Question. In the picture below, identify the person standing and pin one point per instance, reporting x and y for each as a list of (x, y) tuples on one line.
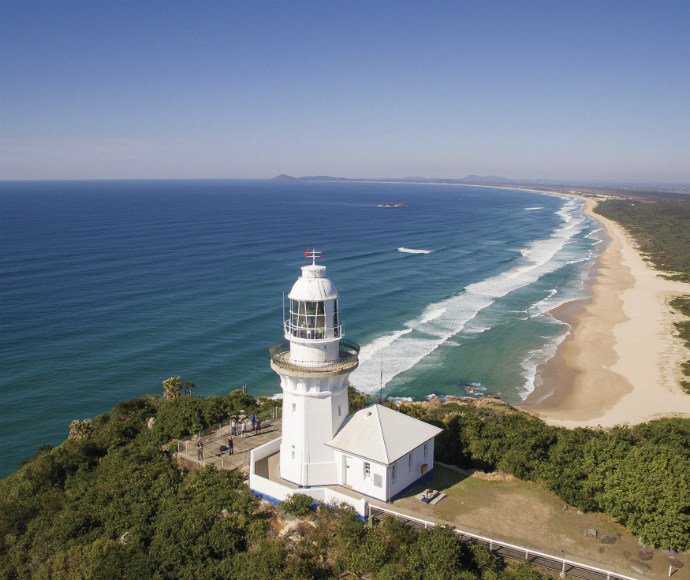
[(233, 427), (243, 430), (231, 445), (200, 451), (253, 420)]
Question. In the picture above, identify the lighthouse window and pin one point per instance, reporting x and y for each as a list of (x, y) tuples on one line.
[(308, 318), (336, 330), (367, 469)]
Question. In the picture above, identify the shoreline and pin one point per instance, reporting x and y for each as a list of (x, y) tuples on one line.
[(620, 362)]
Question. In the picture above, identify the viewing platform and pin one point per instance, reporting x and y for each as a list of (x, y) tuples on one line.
[(347, 361)]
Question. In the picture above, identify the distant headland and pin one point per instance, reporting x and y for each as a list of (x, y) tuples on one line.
[(628, 188)]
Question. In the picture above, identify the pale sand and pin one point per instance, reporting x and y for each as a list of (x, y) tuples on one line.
[(621, 362)]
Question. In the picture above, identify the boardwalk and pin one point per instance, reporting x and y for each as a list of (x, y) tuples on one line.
[(213, 439)]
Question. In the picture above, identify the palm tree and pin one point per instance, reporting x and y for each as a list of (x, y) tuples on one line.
[(80, 429), (173, 386)]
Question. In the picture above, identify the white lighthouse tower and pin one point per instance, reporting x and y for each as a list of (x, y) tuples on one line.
[(314, 363)]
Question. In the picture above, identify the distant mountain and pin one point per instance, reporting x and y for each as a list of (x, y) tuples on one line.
[(470, 179), (484, 179)]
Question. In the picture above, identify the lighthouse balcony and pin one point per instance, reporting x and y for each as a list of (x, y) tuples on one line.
[(347, 360)]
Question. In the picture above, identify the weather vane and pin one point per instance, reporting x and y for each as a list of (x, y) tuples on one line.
[(313, 254)]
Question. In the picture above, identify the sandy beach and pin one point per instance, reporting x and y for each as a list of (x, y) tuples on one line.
[(621, 361)]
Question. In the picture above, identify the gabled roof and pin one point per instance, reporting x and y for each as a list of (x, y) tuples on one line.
[(381, 434)]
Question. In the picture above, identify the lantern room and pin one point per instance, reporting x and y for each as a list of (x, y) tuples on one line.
[(313, 328)]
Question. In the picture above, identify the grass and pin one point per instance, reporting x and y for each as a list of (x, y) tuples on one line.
[(526, 514)]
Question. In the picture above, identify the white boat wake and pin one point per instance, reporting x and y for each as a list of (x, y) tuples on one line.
[(412, 251)]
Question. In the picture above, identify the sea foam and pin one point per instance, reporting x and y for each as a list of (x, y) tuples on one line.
[(396, 352)]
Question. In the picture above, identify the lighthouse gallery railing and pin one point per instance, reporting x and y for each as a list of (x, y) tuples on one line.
[(349, 352)]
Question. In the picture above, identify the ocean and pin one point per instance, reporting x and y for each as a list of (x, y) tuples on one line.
[(109, 287)]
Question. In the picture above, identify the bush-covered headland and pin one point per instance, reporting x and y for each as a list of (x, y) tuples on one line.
[(111, 502)]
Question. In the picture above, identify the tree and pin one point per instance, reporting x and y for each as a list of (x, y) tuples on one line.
[(81, 429), (173, 386)]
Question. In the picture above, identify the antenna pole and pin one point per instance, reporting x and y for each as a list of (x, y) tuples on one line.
[(381, 383)]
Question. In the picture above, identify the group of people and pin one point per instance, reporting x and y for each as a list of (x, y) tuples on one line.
[(237, 427), (241, 426)]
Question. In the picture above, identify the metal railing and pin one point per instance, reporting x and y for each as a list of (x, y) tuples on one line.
[(515, 552), (348, 357)]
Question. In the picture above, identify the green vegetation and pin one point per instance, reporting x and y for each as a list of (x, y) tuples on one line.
[(111, 503), (659, 225), (682, 305), (640, 476), (298, 504)]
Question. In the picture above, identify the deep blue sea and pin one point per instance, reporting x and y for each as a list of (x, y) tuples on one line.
[(109, 287)]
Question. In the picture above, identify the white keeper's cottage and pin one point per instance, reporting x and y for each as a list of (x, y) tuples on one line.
[(377, 451)]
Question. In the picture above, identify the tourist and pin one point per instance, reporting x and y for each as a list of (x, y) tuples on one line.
[(231, 446), (233, 427), (253, 420), (243, 430), (258, 425), (200, 451)]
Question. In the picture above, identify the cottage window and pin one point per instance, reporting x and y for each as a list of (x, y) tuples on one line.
[(367, 469)]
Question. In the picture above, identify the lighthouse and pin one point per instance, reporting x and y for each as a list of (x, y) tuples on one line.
[(314, 363)]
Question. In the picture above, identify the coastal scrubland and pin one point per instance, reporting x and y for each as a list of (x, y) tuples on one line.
[(660, 226), (640, 475), (112, 502)]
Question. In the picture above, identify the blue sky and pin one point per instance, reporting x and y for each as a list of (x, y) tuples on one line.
[(169, 89)]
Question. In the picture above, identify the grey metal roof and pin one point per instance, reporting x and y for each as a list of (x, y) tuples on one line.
[(381, 434)]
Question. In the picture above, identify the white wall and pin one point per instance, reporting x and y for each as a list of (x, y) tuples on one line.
[(374, 484), (312, 414), (277, 492), (406, 472)]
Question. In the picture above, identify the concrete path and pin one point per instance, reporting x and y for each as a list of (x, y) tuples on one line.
[(213, 439)]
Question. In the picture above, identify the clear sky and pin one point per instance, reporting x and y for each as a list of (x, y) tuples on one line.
[(169, 89)]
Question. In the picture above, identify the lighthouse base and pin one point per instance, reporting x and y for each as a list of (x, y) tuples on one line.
[(305, 474)]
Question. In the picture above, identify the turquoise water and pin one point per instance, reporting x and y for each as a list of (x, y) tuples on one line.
[(109, 287)]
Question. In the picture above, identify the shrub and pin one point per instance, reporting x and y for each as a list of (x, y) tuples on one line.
[(298, 504)]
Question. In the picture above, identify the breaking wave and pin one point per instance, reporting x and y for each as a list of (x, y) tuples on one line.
[(398, 351)]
